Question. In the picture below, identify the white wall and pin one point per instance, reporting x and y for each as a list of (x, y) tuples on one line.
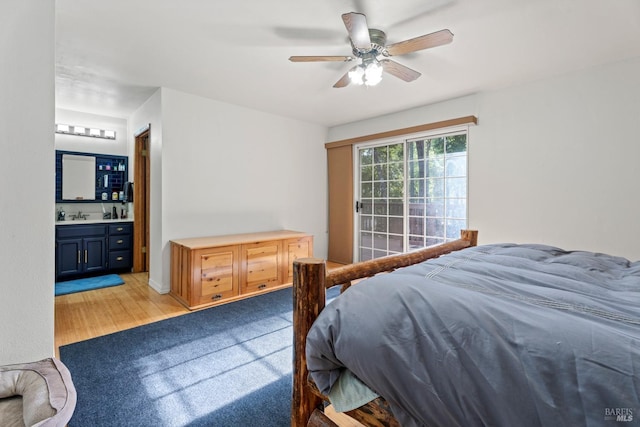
[(220, 169), (27, 176), (552, 161)]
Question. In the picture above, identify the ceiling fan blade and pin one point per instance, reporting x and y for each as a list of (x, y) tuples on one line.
[(356, 24), (419, 43), (399, 70), (344, 80), (320, 58)]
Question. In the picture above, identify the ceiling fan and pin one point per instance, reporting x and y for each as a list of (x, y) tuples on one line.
[(369, 44)]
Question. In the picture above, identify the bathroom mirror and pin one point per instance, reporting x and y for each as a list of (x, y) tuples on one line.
[(78, 177)]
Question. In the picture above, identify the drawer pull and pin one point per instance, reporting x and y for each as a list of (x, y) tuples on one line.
[(120, 242), (119, 258), (216, 297), (119, 228), (262, 285)]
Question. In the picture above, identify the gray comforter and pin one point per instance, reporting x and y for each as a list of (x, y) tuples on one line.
[(495, 335)]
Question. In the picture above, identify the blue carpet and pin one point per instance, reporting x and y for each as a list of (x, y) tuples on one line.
[(228, 365), (79, 285)]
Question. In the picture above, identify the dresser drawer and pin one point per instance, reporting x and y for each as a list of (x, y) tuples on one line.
[(71, 231), (119, 259), (119, 242), (122, 228)]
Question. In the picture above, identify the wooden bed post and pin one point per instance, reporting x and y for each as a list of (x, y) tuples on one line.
[(470, 236), (309, 298)]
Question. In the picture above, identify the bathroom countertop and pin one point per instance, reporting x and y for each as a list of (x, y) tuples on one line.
[(93, 221)]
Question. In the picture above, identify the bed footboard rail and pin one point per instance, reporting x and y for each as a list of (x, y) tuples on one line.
[(310, 282)]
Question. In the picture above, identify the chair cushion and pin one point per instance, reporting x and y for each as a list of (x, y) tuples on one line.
[(48, 393)]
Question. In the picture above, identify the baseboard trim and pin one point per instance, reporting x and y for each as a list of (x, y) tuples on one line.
[(158, 287)]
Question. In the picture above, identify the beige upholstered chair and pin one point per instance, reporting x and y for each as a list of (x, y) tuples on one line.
[(38, 394)]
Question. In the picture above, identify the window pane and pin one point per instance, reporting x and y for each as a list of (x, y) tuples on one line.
[(435, 187), (416, 187), (454, 226), (366, 254), (396, 152), (380, 155), (379, 189), (435, 207), (380, 224), (435, 167), (456, 187), (380, 207), (366, 156), (396, 171), (366, 223), (366, 206), (457, 166), (380, 172), (431, 241), (395, 189), (416, 225), (366, 189), (416, 169), (396, 243), (435, 146), (396, 225), (435, 226), (416, 150), (380, 254), (366, 173), (380, 241), (396, 207), (416, 242), (456, 143), (366, 239), (457, 208), (416, 207)]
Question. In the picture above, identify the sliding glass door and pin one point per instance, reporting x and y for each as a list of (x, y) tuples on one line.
[(411, 194)]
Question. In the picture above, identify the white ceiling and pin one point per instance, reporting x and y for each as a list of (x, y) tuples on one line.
[(112, 55)]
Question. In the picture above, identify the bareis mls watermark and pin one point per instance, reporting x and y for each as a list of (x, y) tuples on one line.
[(618, 414)]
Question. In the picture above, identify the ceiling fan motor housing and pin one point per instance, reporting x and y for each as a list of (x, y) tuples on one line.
[(378, 43)]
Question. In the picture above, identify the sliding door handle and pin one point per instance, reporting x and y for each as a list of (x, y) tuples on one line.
[(358, 206)]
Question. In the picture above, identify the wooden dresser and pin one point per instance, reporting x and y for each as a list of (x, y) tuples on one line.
[(212, 270)]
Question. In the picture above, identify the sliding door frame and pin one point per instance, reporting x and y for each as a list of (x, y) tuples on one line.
[(341, 232)]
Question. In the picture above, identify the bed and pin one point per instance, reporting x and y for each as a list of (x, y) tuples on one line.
[(466, 335)]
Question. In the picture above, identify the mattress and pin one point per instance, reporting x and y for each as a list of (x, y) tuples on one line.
[(500, 335)]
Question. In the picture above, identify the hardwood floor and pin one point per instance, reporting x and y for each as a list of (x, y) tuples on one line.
[(91, 314)]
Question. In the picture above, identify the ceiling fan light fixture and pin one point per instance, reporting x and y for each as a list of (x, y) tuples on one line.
[(356, 75), (372, 73)]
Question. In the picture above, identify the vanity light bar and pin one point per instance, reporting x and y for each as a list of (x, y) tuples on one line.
[(84, 131)]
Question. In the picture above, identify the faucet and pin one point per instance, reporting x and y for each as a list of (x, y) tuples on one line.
[(79, 215)]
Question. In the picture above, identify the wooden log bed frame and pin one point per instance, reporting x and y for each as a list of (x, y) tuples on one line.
[(310, 282)]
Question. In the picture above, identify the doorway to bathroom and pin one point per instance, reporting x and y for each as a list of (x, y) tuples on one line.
[(141, 194)]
